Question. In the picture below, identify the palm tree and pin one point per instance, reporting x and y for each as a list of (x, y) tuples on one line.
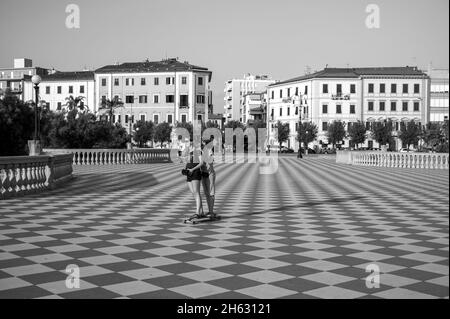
[(108, 106), (73, 103)]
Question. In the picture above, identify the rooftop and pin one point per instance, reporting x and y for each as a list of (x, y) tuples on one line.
[(75, 76), (167, 65), (358, 72)]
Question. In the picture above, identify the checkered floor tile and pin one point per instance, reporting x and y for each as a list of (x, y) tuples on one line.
[(308, 231)]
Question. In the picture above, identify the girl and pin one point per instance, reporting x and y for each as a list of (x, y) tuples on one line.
[(194, 178)]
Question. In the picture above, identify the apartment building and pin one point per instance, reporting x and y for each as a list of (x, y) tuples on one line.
[(439, 94), (399, 94), (254, 107), (236, 89), (57, 87), (18, 78), (161, 91)]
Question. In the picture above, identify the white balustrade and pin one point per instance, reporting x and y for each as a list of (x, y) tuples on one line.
[(21, 175), (397, 160), (114, 156)]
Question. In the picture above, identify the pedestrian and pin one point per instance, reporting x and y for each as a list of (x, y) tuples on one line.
[(209, 177), (194, 178)]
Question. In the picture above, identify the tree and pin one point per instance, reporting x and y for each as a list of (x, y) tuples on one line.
[(75, 103), (382, 132), (336, 132), (409, 133), (163, 132), (143, 132), (307, 133), (283, 132), (357, 133), (211, 124), (108, 107), (16, 126), (432, 135)]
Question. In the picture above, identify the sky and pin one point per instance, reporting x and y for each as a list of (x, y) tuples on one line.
[(280, 38)]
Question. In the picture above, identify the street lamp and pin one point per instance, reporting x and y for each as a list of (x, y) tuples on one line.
[(34, 145), (298, 99)]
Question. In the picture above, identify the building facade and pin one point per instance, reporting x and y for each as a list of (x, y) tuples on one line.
[(399, 94), (163, 91), (236, 89), (18, 78), (439, 94), (57, 87)]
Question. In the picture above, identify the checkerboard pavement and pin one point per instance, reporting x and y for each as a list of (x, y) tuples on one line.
[(308, 231)]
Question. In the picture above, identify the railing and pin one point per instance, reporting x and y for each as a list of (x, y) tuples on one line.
[(340, 96), (399, 160), (22, 175), (114, 156)]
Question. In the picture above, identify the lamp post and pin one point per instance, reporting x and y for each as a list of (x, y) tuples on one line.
[(298, 98), (35, 145)]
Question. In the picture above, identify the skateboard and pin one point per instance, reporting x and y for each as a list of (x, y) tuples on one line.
[(201, 220)]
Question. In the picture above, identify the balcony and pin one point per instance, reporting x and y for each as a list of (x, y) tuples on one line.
[(340, 96), (287, 100), (183, 106)]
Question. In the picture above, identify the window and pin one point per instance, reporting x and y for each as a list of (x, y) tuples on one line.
[(352, 109), (47, 90), (273, 94), (59, 106), (405, 88), (132, 118), (352, 88), (393, 106), (127, 118), (129, 99), (338, 88), (296, 91), (155, 99), (169, 98), (116, 82), (142, 98), (281, 94), (200, 99), (382, 106), (324, 108), (142, 81), (370, 106), (281, 111), (70, 89), (296, 110), (416, 88), (416, 106), (405, 106), (169, 118), (338, 109), (119, 119), (156, 118), (324, 126), (288, 92), (183, 80), (288, 111), (393, 88), (325, 88), (183, 118), (184, 100), (127, 82), (382, 88), (156, 81), (306, 90), (143, 117), (371, 87), (103, 82), (59, 89), (200, 80), (82, 89)]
